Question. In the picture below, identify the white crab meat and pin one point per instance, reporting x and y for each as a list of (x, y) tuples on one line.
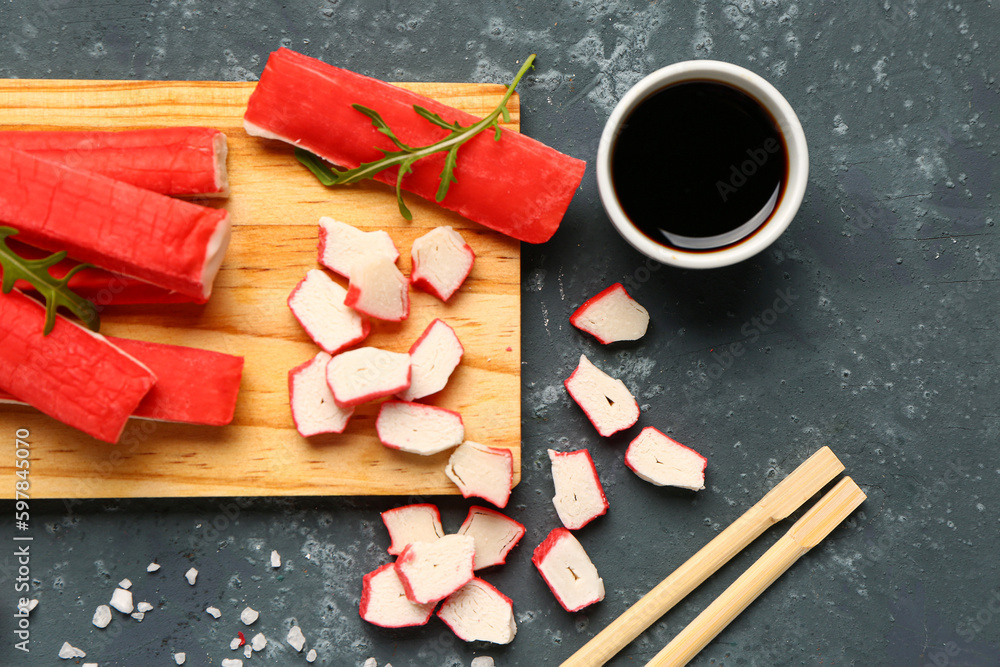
[(606, 401), (483, 472), (442, 260), (612, 316), (384, 602), (495, 535), (378, 289), (568, 570), (412, 523), (661, 460), (434, 357), (418, 428), (314, 409), (431, 571), (579, 495), (367, 373), (342, 245), (318, 304), (479, 612)]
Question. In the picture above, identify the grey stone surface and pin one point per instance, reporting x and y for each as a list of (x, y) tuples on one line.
[(885, 346)]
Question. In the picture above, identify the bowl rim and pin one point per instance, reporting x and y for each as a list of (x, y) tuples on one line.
[(788, 123)]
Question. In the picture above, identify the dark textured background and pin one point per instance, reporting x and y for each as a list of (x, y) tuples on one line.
[(887, 354)]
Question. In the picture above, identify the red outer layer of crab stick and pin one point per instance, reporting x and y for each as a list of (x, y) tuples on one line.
[(180, 161), (193, 386), (102, 287), (165, 241), (517, 186), (73, 375)]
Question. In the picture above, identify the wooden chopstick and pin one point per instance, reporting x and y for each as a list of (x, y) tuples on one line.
[(803, 483), (807, 532)]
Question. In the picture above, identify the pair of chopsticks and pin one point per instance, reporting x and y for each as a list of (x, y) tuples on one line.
[(802, 484)]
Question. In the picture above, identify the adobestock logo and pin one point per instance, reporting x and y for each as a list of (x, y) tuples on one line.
[(738, 175)]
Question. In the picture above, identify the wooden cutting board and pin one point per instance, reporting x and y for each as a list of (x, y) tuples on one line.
[(275, 206)]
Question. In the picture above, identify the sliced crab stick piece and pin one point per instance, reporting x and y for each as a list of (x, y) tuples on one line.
[(483, 472), (661, 460), (318, 304), (606, 401), (366, 373), (442, 260), (193, 386), (479, 612), (612, 316), (384, 603), (418, 428), (412, 523), (378, 289), (517, 186), (579, 495), (116, 226), (495, 535), (431, 571), (73, 375), (179, 161), (433, 358), (568, 570), (341, 245), (313, 409)]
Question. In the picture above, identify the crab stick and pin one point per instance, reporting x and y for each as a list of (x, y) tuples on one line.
[(168, 242), (517, 186), (102, 287), (73, 375), (193, 386), (179, 161)]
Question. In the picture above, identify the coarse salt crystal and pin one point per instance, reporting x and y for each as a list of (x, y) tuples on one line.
[(275, 559), (102, 616), (121, 600), (232, 662), (191, 576), (90, 664), (67, 652), (247, 651), (235, 644), (153, 567), (258, 642), (311, 655), (179, 658), (144, 607), (213, 612), (295, 638), (482, 661), (139, 615), (125, 583), (249, 616), (371, 662), (32, 604)]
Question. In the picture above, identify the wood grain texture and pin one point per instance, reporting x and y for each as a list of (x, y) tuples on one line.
[(275, 205)]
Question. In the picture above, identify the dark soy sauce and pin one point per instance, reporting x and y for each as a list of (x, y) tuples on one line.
[(699, 165)]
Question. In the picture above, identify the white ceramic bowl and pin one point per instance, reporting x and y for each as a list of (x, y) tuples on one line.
[(788, 124)]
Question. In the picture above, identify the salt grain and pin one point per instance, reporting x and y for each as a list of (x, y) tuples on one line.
[(275, 559), (67, 652), (482, 661), (258, 642), (247, 651), (235, 644), (311, 655), (32, 604), (102, 616), (249, 616), (90, 664), (213, 612), (144, 607), (125, 583), (371, 662), (232, 662), (179, 658), (153, 567), (139, 616), (121, 600), (295, 638), (191, 575)]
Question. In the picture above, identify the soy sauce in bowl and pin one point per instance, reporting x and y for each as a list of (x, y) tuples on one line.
[(699, 165)]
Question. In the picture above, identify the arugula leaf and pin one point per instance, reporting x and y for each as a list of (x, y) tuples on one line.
[(55, 291), (406, 156)]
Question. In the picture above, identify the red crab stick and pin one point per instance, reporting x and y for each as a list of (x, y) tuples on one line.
[(517, 186), (193, 386), (116, 226), (102, 287), (180, 161), (73, 375)]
